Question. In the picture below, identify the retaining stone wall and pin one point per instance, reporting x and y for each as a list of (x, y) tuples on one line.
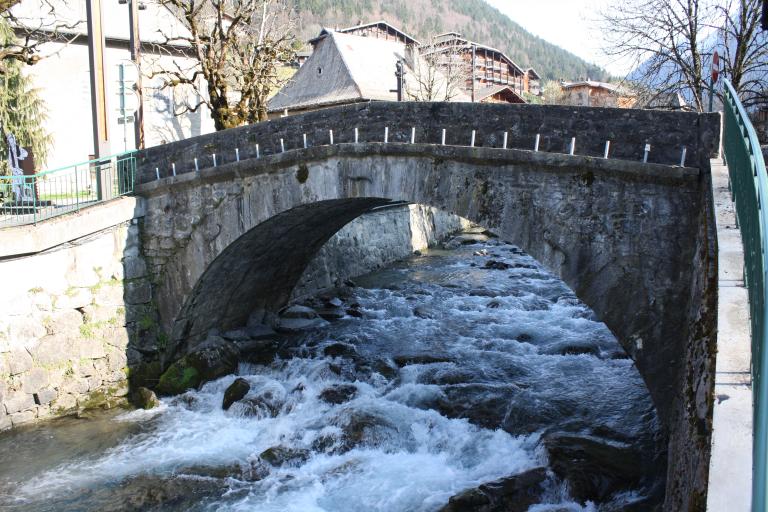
[(374, 240), (67, 318)]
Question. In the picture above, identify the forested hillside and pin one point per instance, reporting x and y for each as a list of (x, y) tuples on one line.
[(475, 19)]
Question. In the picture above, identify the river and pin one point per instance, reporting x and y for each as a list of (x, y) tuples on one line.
[(459, 367)]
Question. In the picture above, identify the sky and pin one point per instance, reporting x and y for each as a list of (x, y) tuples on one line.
[(566, 23)]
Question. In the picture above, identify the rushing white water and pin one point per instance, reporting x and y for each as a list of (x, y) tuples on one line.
[(473, 411)]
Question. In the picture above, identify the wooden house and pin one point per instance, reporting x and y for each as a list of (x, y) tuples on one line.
[(590, 93)]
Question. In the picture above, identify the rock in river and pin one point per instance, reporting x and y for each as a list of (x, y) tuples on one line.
[(512, 494), (236, 391)]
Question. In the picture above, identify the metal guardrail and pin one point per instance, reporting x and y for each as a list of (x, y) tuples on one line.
[(33, 198), (749, 186)]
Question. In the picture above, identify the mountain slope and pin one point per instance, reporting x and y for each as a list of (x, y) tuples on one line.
[(475, 19)]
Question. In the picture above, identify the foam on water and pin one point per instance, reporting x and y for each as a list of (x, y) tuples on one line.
[(501, 334)]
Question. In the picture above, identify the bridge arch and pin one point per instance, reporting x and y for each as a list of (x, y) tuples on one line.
[(621, 236)]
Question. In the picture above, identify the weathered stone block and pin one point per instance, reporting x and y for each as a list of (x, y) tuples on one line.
[(109, 294), (41, 300), (34, 380), (5, 421), (96, 313), (90, 348), (134, 267), (18, 361), (53, 350), (73, 298), (66, 322), (74, 385), (63, 403), (23, 329), (138, 292), (19, 401), (45, 396), (21, 418)]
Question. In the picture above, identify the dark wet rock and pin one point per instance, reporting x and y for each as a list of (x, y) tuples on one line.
[(257, 351), (236, 391), (572, 350), (417, 253), (152, 493), (594, 467), (493, 304), (331, 313), (481, 404), (256, 331), (215, 358), (339, 393), (334, 302), (145, 374), (350, 283), (469, 238), (386, 368), (297, 311), (264, 404), (145, 398), (255, 470), (497, 265), (355, 313), (231, 471), (511, 494), (423, 312), (340, 350), (524, 337), (483, 292), (281, 455), (408, 359), (442, 376), (361, 427)]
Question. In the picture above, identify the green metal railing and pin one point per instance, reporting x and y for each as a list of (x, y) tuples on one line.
[(30, 199), (749, 185)]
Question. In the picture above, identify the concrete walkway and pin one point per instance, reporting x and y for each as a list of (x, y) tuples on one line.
[(730, 468)]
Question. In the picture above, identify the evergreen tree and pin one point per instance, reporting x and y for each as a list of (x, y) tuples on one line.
[(22, 111)]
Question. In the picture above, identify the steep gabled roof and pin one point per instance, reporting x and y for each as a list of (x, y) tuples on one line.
[(493, 90), (346, 68), (532, 74), (456, 40), (407, 38)]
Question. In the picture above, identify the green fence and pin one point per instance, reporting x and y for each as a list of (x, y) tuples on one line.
[(30, 199), (749, 185)]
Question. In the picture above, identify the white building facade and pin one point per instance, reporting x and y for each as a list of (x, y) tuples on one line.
[(63, 80)]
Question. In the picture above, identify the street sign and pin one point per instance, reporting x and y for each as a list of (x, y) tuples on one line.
[(715, 66)]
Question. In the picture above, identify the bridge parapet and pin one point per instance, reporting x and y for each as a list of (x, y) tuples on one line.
[(628, 130)]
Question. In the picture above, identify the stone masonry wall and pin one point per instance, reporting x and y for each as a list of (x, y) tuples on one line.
[(376, 239), (67, 317), (627, 129)]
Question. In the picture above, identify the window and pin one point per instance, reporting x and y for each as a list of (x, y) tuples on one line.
[(319, 71)]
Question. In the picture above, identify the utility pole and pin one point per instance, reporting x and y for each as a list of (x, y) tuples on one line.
[(765, 15), (98, 84), (135, 43)]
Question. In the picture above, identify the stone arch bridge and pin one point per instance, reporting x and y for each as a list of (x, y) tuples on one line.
[(230, 235)]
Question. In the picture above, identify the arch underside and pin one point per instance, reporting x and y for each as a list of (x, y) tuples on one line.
[(622, 240)]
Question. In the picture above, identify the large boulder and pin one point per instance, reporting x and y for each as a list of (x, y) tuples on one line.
[(236, 391), (511, 494), (299, 318), (594, 467), (145, 398), (214, 358)]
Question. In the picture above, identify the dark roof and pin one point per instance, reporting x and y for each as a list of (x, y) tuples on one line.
[(407, 38), (532, 74), (493, 90), (453, 39)]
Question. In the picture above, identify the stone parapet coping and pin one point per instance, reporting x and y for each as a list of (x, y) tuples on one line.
[(30, 239)]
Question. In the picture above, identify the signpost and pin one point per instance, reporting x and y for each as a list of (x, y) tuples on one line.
[(715, 75)]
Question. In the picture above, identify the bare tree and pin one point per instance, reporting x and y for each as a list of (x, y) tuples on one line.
[(669, 43), (745, 49), (237, 47), (438, 72), (34, 27)]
